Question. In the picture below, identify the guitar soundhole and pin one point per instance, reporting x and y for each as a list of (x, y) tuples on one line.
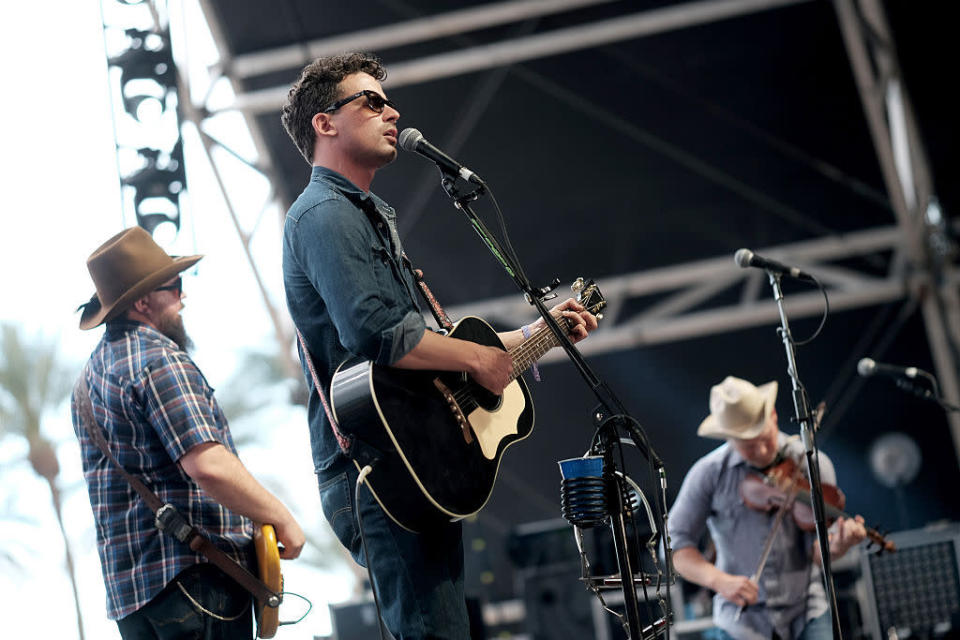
[(485, 398)]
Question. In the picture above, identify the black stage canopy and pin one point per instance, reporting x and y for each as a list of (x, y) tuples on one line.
[(648, 152)]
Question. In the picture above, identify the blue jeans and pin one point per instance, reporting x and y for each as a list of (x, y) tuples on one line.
[(170, 615), (817, 629), (418, 577)]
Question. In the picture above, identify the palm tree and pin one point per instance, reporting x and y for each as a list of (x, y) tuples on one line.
[(32, 381)]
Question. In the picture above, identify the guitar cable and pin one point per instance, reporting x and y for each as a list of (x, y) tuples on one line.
[(364, 472)]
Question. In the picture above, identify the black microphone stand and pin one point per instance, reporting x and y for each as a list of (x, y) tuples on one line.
[(609, 413), (927, 394), (801, 407)]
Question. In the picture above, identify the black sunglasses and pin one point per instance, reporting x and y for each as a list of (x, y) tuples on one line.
[(375, 101), (176, 286)]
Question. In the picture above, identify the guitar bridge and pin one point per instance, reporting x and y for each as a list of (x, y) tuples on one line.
[(455, 409)]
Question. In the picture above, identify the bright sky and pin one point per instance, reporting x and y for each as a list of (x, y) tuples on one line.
[(61, 200)]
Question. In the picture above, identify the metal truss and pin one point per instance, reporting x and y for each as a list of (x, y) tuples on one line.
[(905, 168), (197, 114), (498, 54), (683, 307)]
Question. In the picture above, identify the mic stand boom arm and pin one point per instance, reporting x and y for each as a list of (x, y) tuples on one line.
[(611, 404), (611, 410), (802, 411)]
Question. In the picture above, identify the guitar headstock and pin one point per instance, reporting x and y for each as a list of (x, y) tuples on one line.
[(588, 294)]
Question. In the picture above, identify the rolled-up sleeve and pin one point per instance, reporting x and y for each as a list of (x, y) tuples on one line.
[(180, 406), (334, 245), (688, 516)]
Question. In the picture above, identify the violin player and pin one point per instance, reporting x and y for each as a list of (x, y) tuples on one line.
[(788, 601)]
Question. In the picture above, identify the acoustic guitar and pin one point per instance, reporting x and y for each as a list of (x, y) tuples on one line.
[(268, 564), (439, 435)]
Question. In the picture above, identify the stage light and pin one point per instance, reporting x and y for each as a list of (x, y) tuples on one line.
[(147, 71), (157, 188)]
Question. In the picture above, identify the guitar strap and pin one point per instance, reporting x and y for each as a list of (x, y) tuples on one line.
[(443, 320), (345, 441), (167, 518)]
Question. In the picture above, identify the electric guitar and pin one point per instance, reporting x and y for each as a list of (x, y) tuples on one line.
[(439, 436), (268, 563)]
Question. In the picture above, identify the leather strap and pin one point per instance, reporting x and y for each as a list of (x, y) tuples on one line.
[(443, 320), (167, 518)]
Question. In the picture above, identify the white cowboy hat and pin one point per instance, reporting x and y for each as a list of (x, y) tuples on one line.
[(738, 409)]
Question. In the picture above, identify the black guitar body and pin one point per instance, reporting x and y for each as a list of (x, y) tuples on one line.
[(428, 471)]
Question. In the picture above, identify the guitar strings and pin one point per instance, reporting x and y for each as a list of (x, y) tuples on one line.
[(533, 348), (523, 356)]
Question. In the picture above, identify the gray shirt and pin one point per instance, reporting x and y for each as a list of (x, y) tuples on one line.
[(790, 588)]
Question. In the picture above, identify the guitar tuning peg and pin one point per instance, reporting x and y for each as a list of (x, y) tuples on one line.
[(577, 285)]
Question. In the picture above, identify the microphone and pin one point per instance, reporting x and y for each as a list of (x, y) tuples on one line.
[(412, 140), (746, 258), (868, 367)]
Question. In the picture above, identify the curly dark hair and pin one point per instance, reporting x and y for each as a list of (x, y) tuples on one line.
[(316, 89)]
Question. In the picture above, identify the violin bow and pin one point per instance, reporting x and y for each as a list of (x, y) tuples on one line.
[(778, 519), (768, 545)]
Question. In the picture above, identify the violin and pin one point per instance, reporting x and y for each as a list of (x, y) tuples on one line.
[(783, 485)]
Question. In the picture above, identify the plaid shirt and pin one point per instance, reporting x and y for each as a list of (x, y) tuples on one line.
[(154, 406)]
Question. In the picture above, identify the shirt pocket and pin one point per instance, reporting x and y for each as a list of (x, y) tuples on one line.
[(728, 512), (384, 275)]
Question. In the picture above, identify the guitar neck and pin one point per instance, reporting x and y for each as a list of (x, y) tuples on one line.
[(533, 348)]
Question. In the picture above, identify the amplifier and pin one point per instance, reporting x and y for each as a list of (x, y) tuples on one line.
[(915, 592)]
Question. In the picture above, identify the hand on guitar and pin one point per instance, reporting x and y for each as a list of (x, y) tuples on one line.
[(290, 538), (492, 368), (740, 590), (582, 322)]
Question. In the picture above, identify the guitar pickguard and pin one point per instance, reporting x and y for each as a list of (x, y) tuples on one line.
[(491, 427)]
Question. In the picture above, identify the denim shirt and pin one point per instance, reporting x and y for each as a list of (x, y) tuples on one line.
[(790, 588), (347, 288)]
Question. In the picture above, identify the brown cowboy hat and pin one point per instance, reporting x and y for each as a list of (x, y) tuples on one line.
[(738, 409), (125, 268)]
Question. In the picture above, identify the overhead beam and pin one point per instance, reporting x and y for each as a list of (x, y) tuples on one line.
[(401, 33), (806, 254), (640, 333), (558, 41), (678, 316)]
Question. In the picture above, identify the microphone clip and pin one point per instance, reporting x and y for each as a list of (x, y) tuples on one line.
[(544, 293), (449, 183)]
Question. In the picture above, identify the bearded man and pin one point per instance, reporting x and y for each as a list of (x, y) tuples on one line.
[(163, 425)]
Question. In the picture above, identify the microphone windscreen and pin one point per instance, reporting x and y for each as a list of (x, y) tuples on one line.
[(409, 138), (743, 257), (866, 367)]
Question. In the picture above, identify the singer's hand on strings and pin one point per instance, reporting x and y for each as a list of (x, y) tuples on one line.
[(582, 322)]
